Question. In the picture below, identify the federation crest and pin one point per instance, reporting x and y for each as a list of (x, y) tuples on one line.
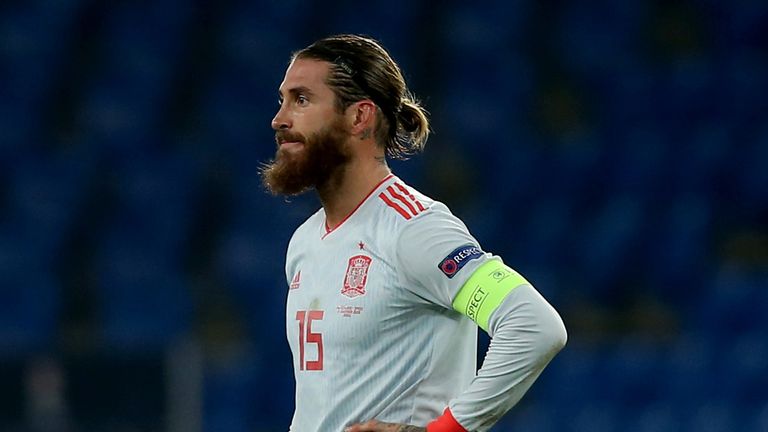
[(357, 276)]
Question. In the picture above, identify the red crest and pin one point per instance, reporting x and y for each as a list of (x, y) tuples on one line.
[(357, 275)]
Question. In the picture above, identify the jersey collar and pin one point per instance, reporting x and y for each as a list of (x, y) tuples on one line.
[(329, 230)]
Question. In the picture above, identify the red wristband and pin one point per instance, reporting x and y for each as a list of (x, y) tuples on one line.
[(445, 423)]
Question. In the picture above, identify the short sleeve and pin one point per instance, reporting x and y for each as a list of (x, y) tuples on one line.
[(437, 254)]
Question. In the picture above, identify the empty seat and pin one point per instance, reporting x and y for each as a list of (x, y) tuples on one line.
[(30, 297), (609, 240), (144, 299)]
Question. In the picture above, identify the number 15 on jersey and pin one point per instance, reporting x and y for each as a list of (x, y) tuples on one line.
[(306, 337)]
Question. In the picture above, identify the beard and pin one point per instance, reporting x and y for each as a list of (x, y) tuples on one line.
[(322, 159)]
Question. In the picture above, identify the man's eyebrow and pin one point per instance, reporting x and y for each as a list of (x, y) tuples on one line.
[(298, 90)]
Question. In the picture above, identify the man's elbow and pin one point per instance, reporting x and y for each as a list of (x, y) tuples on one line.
[(559, 336), (553, 336)]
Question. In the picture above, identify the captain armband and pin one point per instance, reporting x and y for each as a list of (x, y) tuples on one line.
[(485, 290)]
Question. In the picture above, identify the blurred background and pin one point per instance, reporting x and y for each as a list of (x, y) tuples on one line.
[(614, 152)]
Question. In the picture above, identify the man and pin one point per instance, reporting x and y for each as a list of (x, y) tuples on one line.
[(386, 286)]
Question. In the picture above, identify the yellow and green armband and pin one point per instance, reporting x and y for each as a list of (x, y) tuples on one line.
[(485, 290)]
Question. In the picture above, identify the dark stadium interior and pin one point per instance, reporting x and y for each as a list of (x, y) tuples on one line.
[(613, 152)]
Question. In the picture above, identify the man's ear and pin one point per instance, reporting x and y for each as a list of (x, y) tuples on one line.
[(362, 115)]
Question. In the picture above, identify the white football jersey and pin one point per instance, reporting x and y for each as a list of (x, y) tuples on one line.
[(369, 317)]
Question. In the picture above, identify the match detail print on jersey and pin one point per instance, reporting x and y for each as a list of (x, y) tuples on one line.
[(485, 290), (402, 200)]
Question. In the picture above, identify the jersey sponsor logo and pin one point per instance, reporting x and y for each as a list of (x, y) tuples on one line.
[(357, 276), (296, 281), (457, 259)]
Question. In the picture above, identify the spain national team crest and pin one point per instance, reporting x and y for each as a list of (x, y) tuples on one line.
[(357, 275)]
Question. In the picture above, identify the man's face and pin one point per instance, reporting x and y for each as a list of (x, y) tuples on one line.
[(311, 134)]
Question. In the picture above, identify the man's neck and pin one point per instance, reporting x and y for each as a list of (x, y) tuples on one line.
[(341, 196)]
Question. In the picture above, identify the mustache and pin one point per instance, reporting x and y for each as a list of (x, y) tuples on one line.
[(282, 136)]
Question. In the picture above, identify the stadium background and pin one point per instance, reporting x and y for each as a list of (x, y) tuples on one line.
[(614, 152)]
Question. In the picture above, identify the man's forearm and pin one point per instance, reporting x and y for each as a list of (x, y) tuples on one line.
[(526, 333)]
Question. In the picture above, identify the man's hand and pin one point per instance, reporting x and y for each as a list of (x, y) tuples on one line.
[(377, 426)]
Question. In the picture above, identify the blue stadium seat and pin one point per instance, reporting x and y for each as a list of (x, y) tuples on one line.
[(44, 196), (30, 298), (482, 92), (607, 241), (745, 364), (735, 304), (743, 81), (549, 226), (248, 42), (394, 26), (116, 116), (714, 416), (144, 300), (595, 416), (256, 209), (231, 389), (676, 252), (746, 19), (252, 269), (237, 115), (574, 377), (531, 417), (759, 420), (657, 417), (143, 51), (625, 378), (579, 163), (752, 177), (639, 163), (164, 182), (125, 100), (690, 370), (245, 390), (707, 163), (692, 92), (24, 55), (497, 25), (33, 38), (597, 50), (636, 82)]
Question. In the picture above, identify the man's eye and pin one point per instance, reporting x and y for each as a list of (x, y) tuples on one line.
[(302, 100), (280, 102)]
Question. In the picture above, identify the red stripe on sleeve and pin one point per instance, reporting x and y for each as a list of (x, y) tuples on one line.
[(402, 200), (392, 204), (410, 195)]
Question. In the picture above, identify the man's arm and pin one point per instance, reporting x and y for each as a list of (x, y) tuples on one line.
[(526, 333)]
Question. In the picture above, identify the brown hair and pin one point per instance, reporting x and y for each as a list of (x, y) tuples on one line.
[(363, 69)]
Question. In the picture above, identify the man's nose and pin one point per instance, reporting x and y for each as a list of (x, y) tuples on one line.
[(281, 120)]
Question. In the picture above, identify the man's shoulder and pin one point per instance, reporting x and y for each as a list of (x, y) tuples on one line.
[(404, 205), (309, 225)]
